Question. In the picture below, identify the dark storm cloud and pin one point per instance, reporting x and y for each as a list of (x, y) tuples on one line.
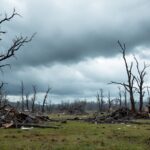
[(70, 31)]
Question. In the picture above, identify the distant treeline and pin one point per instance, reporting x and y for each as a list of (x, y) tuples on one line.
[(76, 107)]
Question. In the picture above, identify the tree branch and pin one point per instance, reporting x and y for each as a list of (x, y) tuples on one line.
[(17, 43), (6, 18)]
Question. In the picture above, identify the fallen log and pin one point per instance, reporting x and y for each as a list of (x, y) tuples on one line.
[(8, 125)]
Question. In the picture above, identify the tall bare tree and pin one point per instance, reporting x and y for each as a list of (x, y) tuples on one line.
[(34, 98), (45, 97), (148, 105), (100, 100), (125, 98), (109, 102), (130, 78), (148, 93), (22, 96), (17, 42), (27, 101), (140, 82), (3, 97), (120, 97)]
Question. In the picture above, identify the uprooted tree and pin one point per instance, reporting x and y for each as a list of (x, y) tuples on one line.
[(17, 42)]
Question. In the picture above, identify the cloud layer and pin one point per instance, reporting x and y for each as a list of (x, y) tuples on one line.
[(75, 40)]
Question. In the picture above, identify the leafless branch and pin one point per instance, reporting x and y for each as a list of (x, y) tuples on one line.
[(8, 18), (17, 43)]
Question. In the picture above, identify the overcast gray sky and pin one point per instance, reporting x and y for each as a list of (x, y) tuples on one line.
[(75, 50)]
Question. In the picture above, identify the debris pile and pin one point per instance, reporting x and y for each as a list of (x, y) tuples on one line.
[(122, 115), (11, 118)]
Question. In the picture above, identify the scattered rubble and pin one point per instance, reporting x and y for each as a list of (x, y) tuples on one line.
[(122, 115), (11, 118)]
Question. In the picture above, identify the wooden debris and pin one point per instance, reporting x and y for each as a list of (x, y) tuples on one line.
[(122, 115), (8, 125), (10, 117)]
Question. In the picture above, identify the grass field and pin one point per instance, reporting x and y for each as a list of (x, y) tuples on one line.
[(78, 136)]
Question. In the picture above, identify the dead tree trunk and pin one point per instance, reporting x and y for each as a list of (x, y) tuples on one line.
[(5, 100), (44, 100), (148, 105), (1, 97), (130, 83), (109, 102), (140, 82), (34, 98), (120, 97), (98, 101), (22, 96), (17, 105), (148, 95), (125, 98), (50, 107), (101, 99), (27, 101), (2, 94), (17, 42)]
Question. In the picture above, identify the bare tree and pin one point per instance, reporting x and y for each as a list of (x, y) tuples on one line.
[(17, 104), (45, 97), (140, 82), (50, 106), (3, 98), (22, 96), (17, 42), (27, 101), (120, 97), (148, 93), (109, 102), (125, 98), (34, 98), (100, 100), (148, 105), (130, 78)]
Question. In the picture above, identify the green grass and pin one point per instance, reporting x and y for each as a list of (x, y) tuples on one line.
[(68, 116), (78, 136)]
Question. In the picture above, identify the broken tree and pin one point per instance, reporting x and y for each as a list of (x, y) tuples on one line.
[(129, 86), (140, 82)]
